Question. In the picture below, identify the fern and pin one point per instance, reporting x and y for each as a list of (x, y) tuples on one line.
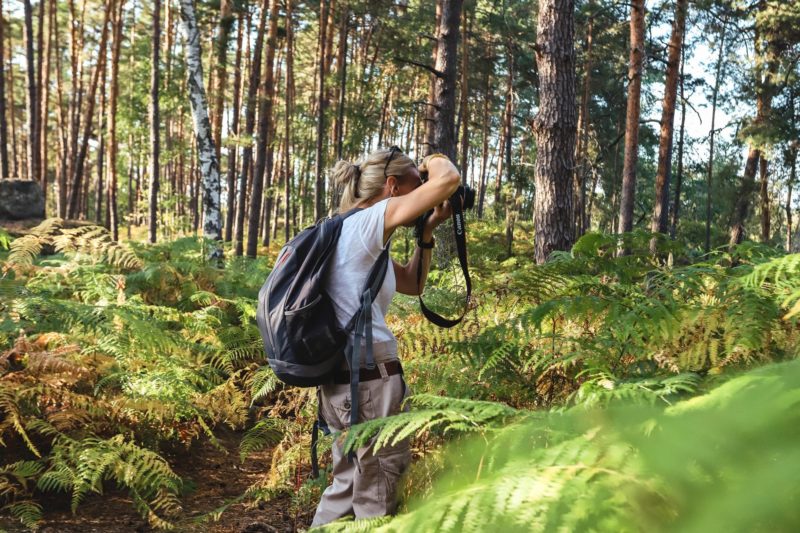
[(5, 240), (81, 466), (9, 404), (86, 241), (28, 512), (265, 433), (24, 250), (715, 462), (15, 481), (263, 382), (432, 412), (349, 525)]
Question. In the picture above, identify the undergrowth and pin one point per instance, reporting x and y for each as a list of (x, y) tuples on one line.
[(112, 354)]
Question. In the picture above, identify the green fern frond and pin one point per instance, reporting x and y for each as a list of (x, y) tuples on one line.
[(432, 412), (48, 227), (603, 390), (349, 525), (27, 511), (82, 465), (262, 383), (5, 239), (24, 250), (774, 271), (265, 433)]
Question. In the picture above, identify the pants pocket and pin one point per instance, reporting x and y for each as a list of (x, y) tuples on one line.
[(341, 405), (393, 465)]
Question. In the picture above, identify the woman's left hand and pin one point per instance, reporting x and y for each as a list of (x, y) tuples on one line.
[(440, 213)]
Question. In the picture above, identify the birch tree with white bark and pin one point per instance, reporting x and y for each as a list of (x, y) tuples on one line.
[(206, 151)]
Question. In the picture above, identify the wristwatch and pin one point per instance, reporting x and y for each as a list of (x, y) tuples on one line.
[(426, 245)]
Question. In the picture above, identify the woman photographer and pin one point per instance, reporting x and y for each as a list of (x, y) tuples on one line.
[(386, 184)]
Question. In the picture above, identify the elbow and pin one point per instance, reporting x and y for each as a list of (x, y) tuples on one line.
[(453, 181)]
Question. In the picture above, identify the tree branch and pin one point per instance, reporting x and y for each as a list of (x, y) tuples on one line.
[(429, 68), (420, 102)]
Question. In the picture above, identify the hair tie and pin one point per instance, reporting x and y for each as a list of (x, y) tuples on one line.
[(355, 185)]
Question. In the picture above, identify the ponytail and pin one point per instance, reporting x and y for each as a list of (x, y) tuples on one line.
[(363, 180)]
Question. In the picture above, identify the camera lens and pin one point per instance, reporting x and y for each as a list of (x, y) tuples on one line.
[(467, 196)]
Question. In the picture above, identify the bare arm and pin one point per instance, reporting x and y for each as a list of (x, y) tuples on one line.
[(406, 275), (443, 180)]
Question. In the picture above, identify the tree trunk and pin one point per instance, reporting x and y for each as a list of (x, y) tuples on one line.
[(113, 220), (17, 172), (77, 173), (464, 112), (226, 20), (4, 166), (429, 145), (743, 196), (581, 218), (31, 97), (263, 171), (289, 99), (270, 231), (763, 166), (44, 86), (341, 62), (792, 181), (635, 68), (132, 193), (384, 113), (554, 127), (62, 122), (487, 97), (39, 104), (503, 162), (512, 211), (155, 126), (792, 173), (445, 84), (676, 201), (76, 94), (234, 132), (212, 221), (101, 151), (712, 134), (663, 174), (319, 162), (194, 190), (766, 73), (250, 120)]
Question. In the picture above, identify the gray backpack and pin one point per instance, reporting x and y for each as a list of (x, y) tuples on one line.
[(302, 339)]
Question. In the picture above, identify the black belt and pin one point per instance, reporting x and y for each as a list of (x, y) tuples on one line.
[(342, 377)]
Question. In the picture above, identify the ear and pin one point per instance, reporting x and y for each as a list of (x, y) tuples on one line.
[(391, 185)]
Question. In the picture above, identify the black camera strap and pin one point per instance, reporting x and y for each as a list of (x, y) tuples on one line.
[(460, 230)]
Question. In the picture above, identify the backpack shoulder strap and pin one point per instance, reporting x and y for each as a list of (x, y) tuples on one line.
[(362, 323)]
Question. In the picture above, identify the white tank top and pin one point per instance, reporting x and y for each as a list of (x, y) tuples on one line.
[(357, 249)]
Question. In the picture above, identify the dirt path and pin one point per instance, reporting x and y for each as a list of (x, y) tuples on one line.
[(216, 478)]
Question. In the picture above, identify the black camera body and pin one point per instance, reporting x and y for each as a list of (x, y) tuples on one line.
[(467, 194)]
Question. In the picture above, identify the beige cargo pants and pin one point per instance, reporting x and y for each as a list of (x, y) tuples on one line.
[(367, 486)]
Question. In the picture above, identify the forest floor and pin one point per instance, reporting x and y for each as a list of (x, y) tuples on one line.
[(215, 478)]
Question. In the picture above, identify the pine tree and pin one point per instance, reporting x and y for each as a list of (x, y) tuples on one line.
[(554, 127)]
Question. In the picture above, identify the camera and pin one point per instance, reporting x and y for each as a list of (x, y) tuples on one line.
[(467, 194)]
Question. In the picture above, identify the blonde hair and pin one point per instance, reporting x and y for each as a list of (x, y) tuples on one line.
[(365, 178)]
